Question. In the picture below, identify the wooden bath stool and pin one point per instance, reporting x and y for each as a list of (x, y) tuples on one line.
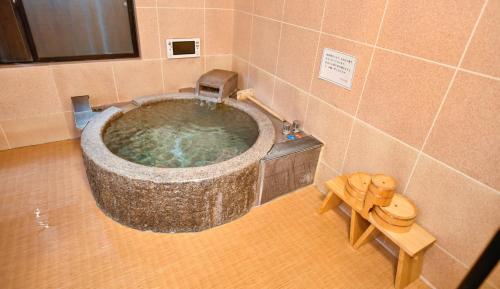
[(412, 244)]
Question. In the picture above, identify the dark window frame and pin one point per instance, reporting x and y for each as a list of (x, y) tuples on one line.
[(36, 59)]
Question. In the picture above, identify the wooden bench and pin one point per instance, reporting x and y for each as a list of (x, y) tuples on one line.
[(412, 244)]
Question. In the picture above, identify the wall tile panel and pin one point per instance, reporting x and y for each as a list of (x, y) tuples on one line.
[(436, 30), (402, 96), (296, 56), (466, 135)]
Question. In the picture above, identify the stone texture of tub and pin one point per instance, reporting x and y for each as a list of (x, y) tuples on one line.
[(173, 199)]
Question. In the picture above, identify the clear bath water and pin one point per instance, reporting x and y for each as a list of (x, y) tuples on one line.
[(181, 133)]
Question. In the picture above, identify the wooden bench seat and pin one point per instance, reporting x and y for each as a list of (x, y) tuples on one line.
[(412, 244)]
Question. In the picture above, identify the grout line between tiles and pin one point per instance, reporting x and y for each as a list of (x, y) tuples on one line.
[(387, 248), (317, 46), (286, 23), (364, 85), (460, 262), (219, 8), (5, 137), (316, 172), (191, 8), (386, 134), (315, 61), (427, 282), (302, 90), (114, 82), (329, 167), (219, 55), (461, 173), (204, 34), (36, 116), (467, 267), (61, 106), (306, 111), (445, 96), (451, 256), (160, 45), (281, 33), (415, 57), (153, 59), (59, 100), (278, 54), (348, 39), (250, 46), (479, 74)]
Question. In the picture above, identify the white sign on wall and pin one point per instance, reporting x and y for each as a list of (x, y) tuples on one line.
[(337, 67)]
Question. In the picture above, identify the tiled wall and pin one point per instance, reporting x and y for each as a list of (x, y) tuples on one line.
[(424, 107), (35, 105)]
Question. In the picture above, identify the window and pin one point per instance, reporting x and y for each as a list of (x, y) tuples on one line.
[(63, 30)]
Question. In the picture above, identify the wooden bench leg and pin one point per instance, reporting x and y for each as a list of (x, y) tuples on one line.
[(331, 201), (409, 268), (358, 226), (368, 235)]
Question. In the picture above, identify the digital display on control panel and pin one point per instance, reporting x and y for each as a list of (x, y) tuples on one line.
[(184, 47)]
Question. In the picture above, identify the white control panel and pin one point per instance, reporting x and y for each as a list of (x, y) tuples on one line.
[(183, 47), (338, 68)]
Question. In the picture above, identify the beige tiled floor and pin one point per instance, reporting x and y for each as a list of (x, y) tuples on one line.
[(53, 236)]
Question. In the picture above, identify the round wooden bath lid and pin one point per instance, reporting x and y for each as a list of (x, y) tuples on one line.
[(384, 183), (400, 208), (360, 182), (354, 193)]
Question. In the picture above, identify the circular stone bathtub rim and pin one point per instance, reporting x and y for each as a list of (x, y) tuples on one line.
[(94, 148)]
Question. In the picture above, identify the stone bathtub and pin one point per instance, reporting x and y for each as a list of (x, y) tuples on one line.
[(164, 199)]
